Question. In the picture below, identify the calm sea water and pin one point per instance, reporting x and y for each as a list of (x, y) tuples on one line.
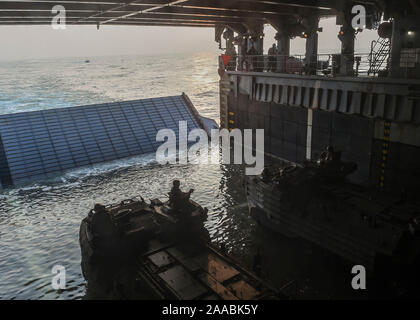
[(39, 223)]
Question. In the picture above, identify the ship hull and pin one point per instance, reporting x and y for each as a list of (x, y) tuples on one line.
[(293, 228), (262, 218), (339, 232)]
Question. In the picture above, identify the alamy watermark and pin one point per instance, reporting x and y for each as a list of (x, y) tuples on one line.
[(359, 280), (59, 20), (58, 281), (194, 147), (359, 20)]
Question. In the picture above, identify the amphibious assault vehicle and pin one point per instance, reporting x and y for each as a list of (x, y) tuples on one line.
[(139, 250)]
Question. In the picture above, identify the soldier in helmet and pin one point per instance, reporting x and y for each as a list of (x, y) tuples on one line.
[(177, 199)]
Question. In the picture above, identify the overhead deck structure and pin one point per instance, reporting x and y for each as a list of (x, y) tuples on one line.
[(196, 13), (247, 18)]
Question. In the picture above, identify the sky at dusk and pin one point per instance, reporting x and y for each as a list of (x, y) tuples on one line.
[(26, 42)]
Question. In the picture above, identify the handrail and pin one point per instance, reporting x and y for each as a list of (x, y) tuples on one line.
[(320, 64), (377, 57)]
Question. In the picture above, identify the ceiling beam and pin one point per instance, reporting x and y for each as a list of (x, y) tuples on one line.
[(181, 10), (33, 6), (47, 13), (123, 6), (80, 19), (94, 21), (87, 2), (248, 6), (145, 10), (116, 23), (245, 6)]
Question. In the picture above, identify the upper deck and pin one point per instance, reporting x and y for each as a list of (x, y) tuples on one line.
[(193, 13)]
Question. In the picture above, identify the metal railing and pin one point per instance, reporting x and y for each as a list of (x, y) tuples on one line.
[(380, 52), (321, 64)]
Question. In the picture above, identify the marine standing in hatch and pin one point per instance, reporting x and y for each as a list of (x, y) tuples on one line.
[(179, 201)]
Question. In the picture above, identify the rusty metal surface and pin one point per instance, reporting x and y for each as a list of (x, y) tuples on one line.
[(192, 271), (218, 288), (217, 268), (244, 290)]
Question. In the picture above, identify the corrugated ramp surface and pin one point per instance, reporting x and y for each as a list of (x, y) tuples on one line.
[(37, 144)]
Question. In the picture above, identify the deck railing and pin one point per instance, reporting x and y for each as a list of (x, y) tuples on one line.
[(321, 64)]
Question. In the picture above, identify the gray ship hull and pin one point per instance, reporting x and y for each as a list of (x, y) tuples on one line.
[(343, 232)]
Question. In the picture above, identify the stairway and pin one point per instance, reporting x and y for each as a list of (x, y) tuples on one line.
[(379, 56)]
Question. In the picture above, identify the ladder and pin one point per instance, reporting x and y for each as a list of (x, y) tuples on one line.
[(379, 55)]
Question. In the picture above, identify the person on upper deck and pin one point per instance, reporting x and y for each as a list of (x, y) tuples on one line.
[(252, 59), (232, 63), (272, 53)]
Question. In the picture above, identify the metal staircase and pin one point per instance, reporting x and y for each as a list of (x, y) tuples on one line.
[(379, 56)]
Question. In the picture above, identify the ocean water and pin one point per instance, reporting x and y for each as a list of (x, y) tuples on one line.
[(39, 223), (42, 84)]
